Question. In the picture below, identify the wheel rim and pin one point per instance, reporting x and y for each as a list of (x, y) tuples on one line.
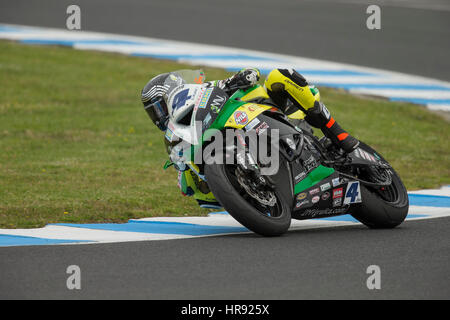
[(272, 212), (389, 193)]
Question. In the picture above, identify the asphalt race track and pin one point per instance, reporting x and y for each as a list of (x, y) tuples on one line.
[(307, 264), (413, 37), (310, 264)]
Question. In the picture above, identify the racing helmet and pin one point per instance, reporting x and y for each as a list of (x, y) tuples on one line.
[(154, 97)]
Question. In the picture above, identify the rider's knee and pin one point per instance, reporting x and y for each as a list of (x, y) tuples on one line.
[(288, 83)]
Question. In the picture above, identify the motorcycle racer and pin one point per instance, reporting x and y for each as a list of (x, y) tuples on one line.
[(285, 87)]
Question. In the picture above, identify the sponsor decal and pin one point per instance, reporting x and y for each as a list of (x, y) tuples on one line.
[(314, 191), (301, 203), (316, 212), (217, 103), (315, 199), (310, 163), (169, 134), (353, 193), (338, 193), (240, 117), (301, 196), (293, 84), (300, 177), (206, 120), (199, 96), (205, 98), (335, 182), (325, 187), (262, 128), (325, 196), (337, 202), (252, 124)]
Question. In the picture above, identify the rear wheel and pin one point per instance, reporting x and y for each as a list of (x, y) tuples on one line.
[(382, 207), (262, 211)]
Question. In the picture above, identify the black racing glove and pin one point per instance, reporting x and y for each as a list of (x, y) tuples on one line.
[(243, 79)]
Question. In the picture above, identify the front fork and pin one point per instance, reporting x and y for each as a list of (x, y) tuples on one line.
[(248, 166)]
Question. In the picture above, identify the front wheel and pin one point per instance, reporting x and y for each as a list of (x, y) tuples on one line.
[(264, 213), (382, 207)]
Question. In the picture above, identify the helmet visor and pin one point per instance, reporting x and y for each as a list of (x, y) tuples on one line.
[(157, 111)]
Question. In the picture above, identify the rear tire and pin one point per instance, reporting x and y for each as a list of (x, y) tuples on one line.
[(378, 213), (241, 209)]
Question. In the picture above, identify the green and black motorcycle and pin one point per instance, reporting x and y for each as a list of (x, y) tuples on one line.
[(313, 179)]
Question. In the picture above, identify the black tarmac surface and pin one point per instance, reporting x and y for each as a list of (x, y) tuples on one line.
[(326, 263)]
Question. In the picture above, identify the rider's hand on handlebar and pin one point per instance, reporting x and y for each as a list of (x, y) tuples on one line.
[(243, 79)]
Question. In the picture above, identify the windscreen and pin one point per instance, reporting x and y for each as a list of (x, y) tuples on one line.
[(180, 77)]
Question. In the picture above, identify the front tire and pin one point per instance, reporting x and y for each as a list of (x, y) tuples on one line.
[(241, 206)]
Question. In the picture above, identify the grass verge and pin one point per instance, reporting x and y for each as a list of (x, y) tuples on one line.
[(77, 146)]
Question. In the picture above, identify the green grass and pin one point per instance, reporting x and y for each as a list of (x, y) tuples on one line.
[(77, 146)]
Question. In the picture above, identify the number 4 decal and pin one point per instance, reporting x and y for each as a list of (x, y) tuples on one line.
[(353, 194), (180, 99)]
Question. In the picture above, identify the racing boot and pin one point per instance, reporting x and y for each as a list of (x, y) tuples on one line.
[(320, 117), (190, 185)]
